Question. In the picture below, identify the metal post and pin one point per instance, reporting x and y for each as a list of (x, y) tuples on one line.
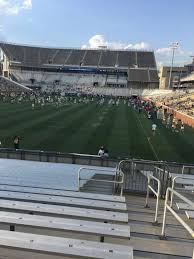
[(173, 184), (157, 203), (148, 192), (78, 183), (173, 46), (164, 217)]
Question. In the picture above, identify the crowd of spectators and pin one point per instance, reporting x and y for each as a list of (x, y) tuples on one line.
[(183, 102)]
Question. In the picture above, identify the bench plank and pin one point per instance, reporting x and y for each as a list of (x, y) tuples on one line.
[(190, 214), (64, 211), (184, 206), (71, 201), (72, 225), (56, 192), (64, 246), (188, 181)]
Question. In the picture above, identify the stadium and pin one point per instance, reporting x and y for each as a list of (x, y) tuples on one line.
[(100, 71), (96, 146)]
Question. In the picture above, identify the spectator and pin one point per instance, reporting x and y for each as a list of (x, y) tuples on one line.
[(101, 151), (16, 142), (106, 154)]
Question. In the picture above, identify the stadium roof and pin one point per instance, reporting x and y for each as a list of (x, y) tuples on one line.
[(34, 56)]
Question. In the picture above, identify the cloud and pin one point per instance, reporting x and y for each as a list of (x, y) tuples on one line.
[(27, 4), (99, 40), (12, 7), (164, 56), (1, 28)]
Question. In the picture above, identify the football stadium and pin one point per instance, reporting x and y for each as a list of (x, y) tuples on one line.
[(96, 145)]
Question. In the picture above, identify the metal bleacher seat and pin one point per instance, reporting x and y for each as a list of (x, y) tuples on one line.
[(39, 245), (72, 231), (65, 227), (70, 201), (62, 193), (65, 211)]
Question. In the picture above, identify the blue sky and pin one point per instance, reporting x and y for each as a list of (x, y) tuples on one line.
[(137, 24)]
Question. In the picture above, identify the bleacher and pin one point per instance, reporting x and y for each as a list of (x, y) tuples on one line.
[(54, 223), (41, 222), (9, 86), (108, 59), (39, 56), (138, 75), (47, 65), (91, 58)]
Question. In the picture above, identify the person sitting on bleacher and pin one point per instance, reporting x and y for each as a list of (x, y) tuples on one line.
[(106, 154), (101, 151)]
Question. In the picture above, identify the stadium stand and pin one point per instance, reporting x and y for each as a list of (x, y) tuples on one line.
[(91, 58), (9, 86), (36, 66), (179, 101)]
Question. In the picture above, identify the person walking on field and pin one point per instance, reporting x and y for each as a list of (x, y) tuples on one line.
[(154, 126)]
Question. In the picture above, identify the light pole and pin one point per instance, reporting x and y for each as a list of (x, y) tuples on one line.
[(173, 46)]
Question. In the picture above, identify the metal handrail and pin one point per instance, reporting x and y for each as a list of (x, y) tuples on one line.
[(115, 182), (180, 220), (173, 185), (186, 166), (156, 192)]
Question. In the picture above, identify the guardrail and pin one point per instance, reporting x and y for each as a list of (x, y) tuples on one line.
[(187, 166), (134, 181), (156, 192), (178, 218), (118, 177), (174, 182)]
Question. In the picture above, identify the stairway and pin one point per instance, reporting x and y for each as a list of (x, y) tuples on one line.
[(102, 186)]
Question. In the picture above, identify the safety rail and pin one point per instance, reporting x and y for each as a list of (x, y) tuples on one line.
[(117, 182), (156, 192), (186, 166), (184, 177), (173, 212)]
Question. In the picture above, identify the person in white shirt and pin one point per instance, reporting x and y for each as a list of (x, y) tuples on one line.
[(154, 126), (182, 128), (101, 151)]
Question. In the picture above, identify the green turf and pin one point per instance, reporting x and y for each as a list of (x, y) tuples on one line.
[(83, 128)]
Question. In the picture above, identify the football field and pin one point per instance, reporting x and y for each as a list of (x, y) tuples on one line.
[(83, 128)]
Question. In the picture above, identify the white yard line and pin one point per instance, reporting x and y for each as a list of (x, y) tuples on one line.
[(148, 139)]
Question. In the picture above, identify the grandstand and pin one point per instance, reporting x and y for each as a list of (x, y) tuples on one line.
[(36, 67)]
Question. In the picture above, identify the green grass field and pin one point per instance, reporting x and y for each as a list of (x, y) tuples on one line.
[(83, 128)]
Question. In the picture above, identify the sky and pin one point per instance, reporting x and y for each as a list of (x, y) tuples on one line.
[(118, 24)]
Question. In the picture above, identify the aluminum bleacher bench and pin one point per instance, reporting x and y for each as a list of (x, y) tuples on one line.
[(55, 192), (73, 228), (64, 211), (70, 201), (12, 186), (190, 214), (57, 246), (183, 179), (189, 188), (184, 206)]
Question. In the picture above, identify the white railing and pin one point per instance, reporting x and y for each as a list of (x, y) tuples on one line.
[(118, 177), (186, 166), (178, 218), (156, 192), (184, 177)]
